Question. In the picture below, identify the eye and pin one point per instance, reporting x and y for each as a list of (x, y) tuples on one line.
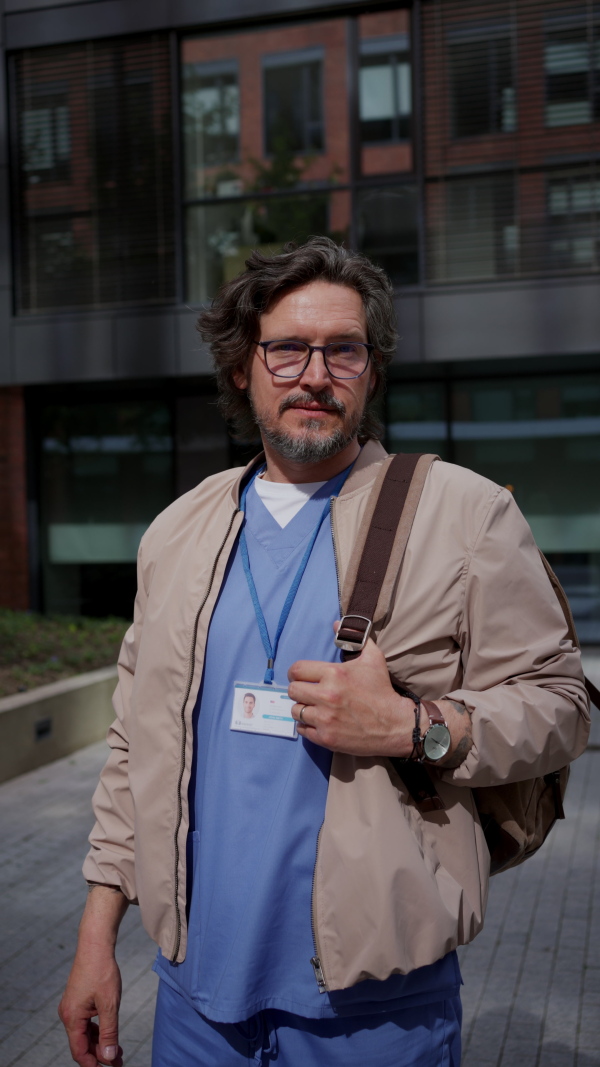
[(288, 347), (343, 348)]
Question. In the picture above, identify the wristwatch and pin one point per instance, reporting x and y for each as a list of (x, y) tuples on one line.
[(436, 741)]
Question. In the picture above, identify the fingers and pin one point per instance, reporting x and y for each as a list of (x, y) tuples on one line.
[(308, 715), (307, 670)]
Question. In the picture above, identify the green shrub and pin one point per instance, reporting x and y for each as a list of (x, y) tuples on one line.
[(36, 649)]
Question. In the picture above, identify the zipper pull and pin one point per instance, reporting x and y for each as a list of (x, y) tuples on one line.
[(320, 977)]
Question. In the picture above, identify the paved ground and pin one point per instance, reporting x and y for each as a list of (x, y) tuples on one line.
[(532, 978)]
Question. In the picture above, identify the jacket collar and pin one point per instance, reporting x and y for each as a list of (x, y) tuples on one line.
[(364, 471)]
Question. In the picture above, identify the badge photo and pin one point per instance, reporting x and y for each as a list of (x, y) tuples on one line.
[(262, 709)]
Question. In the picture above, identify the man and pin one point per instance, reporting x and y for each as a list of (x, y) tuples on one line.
[(306, 911), (249, 704)]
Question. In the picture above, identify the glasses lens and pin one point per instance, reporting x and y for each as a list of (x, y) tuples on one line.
[(286, 358), (346, 359)]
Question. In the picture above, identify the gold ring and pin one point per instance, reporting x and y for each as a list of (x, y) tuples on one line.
[(301, 714)]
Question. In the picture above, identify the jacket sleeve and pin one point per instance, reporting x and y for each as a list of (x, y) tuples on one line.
[(522, 677), (110, 860)]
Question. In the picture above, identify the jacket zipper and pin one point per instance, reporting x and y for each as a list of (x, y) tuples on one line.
[(184, 733), (317, 966), (316, 959)]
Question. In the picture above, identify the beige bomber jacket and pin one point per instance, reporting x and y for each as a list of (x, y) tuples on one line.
[(471, 615)]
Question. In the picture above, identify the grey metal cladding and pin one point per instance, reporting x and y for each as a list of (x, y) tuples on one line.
[(145, 345), (63, 349), (61, 23)]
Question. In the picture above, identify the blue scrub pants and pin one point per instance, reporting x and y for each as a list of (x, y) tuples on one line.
[(426, 1036)]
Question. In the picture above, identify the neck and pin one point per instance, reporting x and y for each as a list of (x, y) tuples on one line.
[(285, 470)]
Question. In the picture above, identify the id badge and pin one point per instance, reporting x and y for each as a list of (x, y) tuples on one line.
[(262, 709)]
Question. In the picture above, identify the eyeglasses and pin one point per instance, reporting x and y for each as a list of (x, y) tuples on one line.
[(289, 359)]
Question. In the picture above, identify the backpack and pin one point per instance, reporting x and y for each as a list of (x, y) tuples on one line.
[(516, 818)]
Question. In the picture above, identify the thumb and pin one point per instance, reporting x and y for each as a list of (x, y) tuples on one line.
[(108, 1040), (372, 655)]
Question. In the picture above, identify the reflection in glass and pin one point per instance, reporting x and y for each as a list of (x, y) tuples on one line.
[(541, 437), (574, 216), (385, 98), (473, 228), (95, 223), (538, 437), (482, 86), (293, 102), (416, 417), (211, 123), (387, 230), (220, 237), (106, 472), (572, 62)]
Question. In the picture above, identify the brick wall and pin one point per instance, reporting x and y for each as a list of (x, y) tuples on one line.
[(14, 574)]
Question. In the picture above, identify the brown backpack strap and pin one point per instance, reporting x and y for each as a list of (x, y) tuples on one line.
[(380, 544), (356, 624)]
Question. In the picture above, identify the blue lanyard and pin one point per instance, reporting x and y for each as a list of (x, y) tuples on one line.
[(271, 650)]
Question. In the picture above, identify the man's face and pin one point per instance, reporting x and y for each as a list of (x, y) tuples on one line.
[(314, 415), (249, 706)]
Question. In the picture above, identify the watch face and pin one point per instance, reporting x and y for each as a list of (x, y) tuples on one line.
[(437, 741)]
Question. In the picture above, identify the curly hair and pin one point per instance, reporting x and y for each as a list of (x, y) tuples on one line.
[(231, 322)]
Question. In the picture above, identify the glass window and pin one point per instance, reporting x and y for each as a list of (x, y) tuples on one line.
[(265, 173), (220, 236), (574, 218), (211, 118), (473, 230), (387, 230), (572, 62), (267, 145), (106, 472), (540, 437), (416, 418), (537, 436), (46, 135), (385, 90), (293, 102), (95, 215), (482, 86)]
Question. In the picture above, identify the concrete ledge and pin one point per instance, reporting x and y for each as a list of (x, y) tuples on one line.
[(54, 720)]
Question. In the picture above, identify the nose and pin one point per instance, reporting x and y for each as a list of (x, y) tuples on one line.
[(315, 376)]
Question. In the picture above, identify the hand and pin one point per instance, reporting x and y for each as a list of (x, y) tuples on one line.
[(352, 707), (94, 985), (93, 988)]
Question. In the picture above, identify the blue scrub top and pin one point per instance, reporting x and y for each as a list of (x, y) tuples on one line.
[(257, 802)]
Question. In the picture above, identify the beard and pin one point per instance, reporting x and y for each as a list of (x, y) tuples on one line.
[(312, 442)]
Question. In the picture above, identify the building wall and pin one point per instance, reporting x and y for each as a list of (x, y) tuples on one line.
[(100, 359)]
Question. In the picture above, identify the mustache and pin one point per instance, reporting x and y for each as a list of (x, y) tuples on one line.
[(325, 398)]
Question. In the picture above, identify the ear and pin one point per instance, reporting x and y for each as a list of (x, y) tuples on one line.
[(240, 380)]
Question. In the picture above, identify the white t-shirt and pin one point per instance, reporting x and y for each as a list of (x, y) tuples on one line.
[(284, 499)]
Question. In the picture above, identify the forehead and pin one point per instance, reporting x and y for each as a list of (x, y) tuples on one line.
[(318, 302)]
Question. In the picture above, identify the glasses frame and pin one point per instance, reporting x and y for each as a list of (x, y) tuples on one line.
[(314, 348)]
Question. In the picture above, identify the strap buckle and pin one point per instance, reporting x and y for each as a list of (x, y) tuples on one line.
[(352, 637)]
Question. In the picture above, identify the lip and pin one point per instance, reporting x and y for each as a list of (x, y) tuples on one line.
[(313, 408)]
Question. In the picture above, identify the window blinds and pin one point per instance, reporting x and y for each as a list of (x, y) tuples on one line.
[(512, 138), (93, 173)]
